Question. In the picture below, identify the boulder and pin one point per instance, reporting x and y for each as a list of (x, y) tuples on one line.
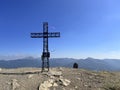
[(47, 84), (55, 84), (64, 82), (15, 84), (56, 73)]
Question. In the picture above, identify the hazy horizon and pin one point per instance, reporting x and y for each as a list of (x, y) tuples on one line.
[(12, 57)]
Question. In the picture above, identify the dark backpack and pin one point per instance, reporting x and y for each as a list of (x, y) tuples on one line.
[(75, 65)]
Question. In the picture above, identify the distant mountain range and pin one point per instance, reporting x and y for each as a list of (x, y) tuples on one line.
[(88, 63)]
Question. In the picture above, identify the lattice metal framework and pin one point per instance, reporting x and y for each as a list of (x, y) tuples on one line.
[(45, 35)]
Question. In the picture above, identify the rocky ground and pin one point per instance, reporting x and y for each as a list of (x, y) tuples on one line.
[(58, 79)]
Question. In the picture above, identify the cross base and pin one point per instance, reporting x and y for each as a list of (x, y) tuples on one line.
[(45, 61)]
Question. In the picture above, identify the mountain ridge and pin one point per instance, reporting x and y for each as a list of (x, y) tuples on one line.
[(88, 63)]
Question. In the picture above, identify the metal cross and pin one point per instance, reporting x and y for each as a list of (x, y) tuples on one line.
[(45, 35)]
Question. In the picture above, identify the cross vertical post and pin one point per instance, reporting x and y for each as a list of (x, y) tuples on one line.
[(45, 55), (45, 35)]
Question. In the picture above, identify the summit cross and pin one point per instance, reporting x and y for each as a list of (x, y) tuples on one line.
[(45, 35)]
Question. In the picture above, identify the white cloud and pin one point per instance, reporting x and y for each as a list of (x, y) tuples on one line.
[(15, 56)]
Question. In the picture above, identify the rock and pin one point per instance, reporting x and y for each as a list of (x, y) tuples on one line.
[(51, 81), (78, 78), (30, 76), (9, 83), (52, 77), (64, 82), (14, 84), (86, 85), (55, 85), (76, 87), (56, 73), (47, 84)]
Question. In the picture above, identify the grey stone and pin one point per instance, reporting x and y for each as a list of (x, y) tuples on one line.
[(15, 84), (64, 82), (47, 84), (30, 76)]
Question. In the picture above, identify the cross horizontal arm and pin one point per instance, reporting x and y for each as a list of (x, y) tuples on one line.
[(45, 35)]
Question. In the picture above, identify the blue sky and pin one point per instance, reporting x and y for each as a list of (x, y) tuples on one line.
[(89, 28)]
